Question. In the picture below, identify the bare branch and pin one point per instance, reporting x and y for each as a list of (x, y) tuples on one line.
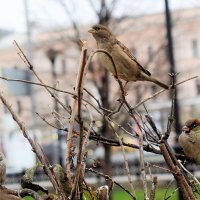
[(153, 188), (142, 166), (177, 173), (27, 62), (48, 123), (161, 91), (35, 149), (110, 179), (78, 181)]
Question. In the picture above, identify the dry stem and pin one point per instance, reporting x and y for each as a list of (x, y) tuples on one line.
[(35, 149)]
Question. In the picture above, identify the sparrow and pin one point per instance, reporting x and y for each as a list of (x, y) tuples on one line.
[(2, 169), (127, 66), (189, 139)]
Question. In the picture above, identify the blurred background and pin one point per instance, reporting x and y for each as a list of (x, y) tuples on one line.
[(163, 35)]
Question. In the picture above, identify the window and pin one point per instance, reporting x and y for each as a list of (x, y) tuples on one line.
[(195, 49), (17, 88)]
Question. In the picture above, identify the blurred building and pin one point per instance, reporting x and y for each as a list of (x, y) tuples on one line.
[(144, 35)]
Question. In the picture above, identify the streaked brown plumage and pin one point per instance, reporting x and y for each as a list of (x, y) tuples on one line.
[(128, 68), (189, 139)]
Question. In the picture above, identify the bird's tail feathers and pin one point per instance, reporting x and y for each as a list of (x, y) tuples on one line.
[(158, 83)]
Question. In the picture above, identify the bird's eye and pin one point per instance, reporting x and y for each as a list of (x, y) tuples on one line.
[(194, 125), (97, 28)]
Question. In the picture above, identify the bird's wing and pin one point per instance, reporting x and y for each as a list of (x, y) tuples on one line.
[(128, 52)]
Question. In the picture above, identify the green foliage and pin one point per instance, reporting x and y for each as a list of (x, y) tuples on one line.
[(120, 194), (27, 198), (89, 195)]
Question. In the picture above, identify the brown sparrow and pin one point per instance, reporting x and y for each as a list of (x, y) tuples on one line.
[(189, 139), (128, 68), (2, 169)]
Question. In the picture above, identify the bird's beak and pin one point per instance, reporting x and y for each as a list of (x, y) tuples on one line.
[(186, 129), (91, 30)]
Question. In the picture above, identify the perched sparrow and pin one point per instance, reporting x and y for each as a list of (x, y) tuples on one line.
[(2, 169), (128, 68), (189, 139)]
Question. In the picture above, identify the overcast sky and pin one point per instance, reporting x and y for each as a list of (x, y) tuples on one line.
[(50, 13)]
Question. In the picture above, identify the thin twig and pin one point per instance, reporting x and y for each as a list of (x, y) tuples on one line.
[(170, 118), (48, 123), (113, 142), (142, 167), (110, 179), (168, 186), (62, 91), (162, 168), (88, 133), (38, 84), (97, 100), (34, 148), (190, 174), (173, 192), (153, 188), (154, 181), (161, 91), (125, 162), (27, 62)]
